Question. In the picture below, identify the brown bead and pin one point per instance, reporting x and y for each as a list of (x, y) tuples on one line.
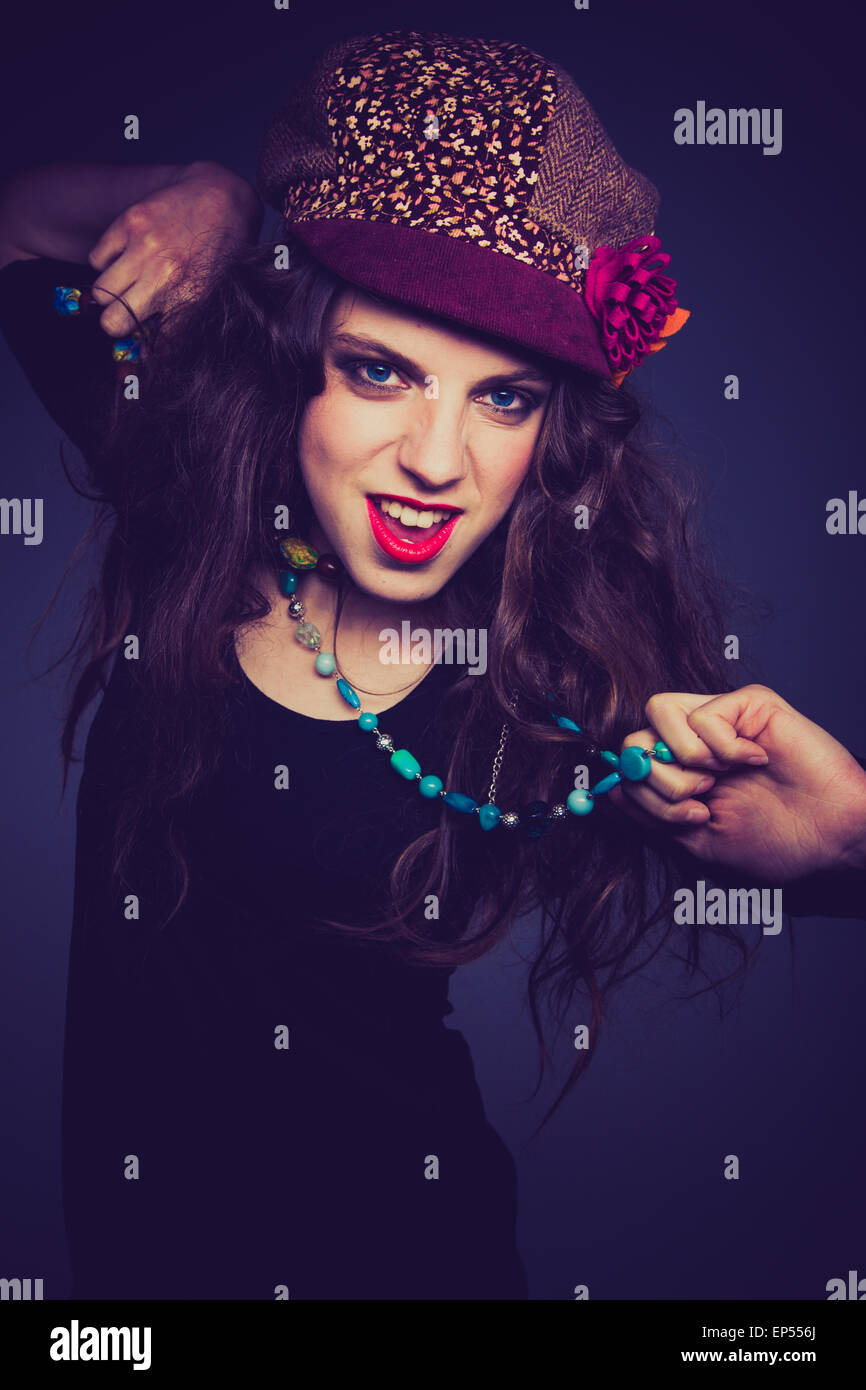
[(330, 567)]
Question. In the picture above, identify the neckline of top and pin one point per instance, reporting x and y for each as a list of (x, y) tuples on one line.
[(437, 679)]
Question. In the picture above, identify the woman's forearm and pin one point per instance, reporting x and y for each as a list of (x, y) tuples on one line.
[(61, 210)]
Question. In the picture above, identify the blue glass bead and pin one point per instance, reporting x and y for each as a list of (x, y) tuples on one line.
[(610, 758), (403, 762), (606, 783), (663, 753), (489, 816), (66, 300), (348, 693), (367, 722), (325, 664), (458, 802), (534, 819), (635, 764), (580, 802), (288, 583), (430, 786), (565, 723)]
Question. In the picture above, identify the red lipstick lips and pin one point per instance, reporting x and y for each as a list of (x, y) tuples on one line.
[(409, 552)]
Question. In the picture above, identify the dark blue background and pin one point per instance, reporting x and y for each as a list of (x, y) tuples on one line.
[(624, 1191)]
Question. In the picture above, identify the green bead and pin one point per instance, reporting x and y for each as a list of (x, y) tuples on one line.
[(579, 802), (348, 693), (606, 783), (430, 786), (663, 753), (458, 801), (367, 722), (325, 664), (288, 583), (308, 635), (299, 555), (635, 764), (611, 758), (403, 762), (489, 816)]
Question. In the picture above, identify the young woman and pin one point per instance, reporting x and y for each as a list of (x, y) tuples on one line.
[(405, 415)]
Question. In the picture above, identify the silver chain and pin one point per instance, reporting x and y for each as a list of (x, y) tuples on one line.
[(497, 761)]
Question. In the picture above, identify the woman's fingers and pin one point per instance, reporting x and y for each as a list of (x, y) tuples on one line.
[(699, 729), (668, 793)]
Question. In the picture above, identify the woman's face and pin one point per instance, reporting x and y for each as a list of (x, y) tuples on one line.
[(416, 447)]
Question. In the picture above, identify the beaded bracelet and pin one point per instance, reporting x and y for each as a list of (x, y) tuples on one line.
[(633, 764)]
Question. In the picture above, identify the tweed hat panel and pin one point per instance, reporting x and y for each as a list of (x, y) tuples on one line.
[(585, 192)]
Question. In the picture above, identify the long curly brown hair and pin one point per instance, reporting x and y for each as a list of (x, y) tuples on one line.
[(600, 619)]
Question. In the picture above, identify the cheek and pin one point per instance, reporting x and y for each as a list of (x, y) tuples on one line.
[(503, 469), (336, 438)]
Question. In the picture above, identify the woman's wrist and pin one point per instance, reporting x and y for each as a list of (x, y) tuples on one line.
[(60, 210), (241, 197)]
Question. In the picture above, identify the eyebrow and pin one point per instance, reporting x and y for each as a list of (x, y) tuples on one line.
[(358, 343)]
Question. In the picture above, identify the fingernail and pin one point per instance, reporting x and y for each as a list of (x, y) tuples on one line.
[(698, 813), (705, 784), (759, 761)]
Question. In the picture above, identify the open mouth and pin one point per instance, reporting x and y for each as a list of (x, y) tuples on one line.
[(407, 531), (410, 523)]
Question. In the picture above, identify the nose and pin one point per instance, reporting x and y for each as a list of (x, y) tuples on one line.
[(434, 453)]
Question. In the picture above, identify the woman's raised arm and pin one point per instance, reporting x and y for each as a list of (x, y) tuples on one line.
[(152, 230)]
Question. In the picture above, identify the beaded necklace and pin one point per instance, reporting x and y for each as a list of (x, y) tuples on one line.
[(633, 764)]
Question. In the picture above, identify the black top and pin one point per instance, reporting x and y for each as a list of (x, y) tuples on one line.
[(251, 1102)]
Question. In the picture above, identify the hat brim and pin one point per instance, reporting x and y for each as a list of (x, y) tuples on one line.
[(485, 290)]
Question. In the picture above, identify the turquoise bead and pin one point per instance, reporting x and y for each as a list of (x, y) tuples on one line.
[(325, 664), (459, 802), (348, 693), (579, 802), (635, 764), (288, 582), (565, 723), (611, 758), (663, 753), (367, 722), (430, 786), (606, 783), (403, 762), (489, 816)]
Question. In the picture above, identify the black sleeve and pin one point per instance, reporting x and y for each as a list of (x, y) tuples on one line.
[(66, 358), (827, 893)]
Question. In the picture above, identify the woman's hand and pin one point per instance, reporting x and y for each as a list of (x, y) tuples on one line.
[(804, 809), (162, 249)]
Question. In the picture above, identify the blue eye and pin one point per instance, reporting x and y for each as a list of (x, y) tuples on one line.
[(378, 367), (504, 404)]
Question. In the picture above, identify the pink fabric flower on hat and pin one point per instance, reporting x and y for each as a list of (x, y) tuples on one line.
[(632, 302)]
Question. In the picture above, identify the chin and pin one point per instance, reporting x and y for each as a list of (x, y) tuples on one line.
[(400, 585)]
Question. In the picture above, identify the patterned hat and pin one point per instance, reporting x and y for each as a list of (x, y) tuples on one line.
[(471, 178)]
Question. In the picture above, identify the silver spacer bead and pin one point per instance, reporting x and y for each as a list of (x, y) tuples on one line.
[(510, 819), (558, 812), (384, 743), (296, 608)]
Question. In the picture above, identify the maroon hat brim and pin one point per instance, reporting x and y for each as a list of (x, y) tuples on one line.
[(489, 291)]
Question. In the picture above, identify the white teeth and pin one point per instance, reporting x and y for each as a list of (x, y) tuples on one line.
[(410, 516)]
